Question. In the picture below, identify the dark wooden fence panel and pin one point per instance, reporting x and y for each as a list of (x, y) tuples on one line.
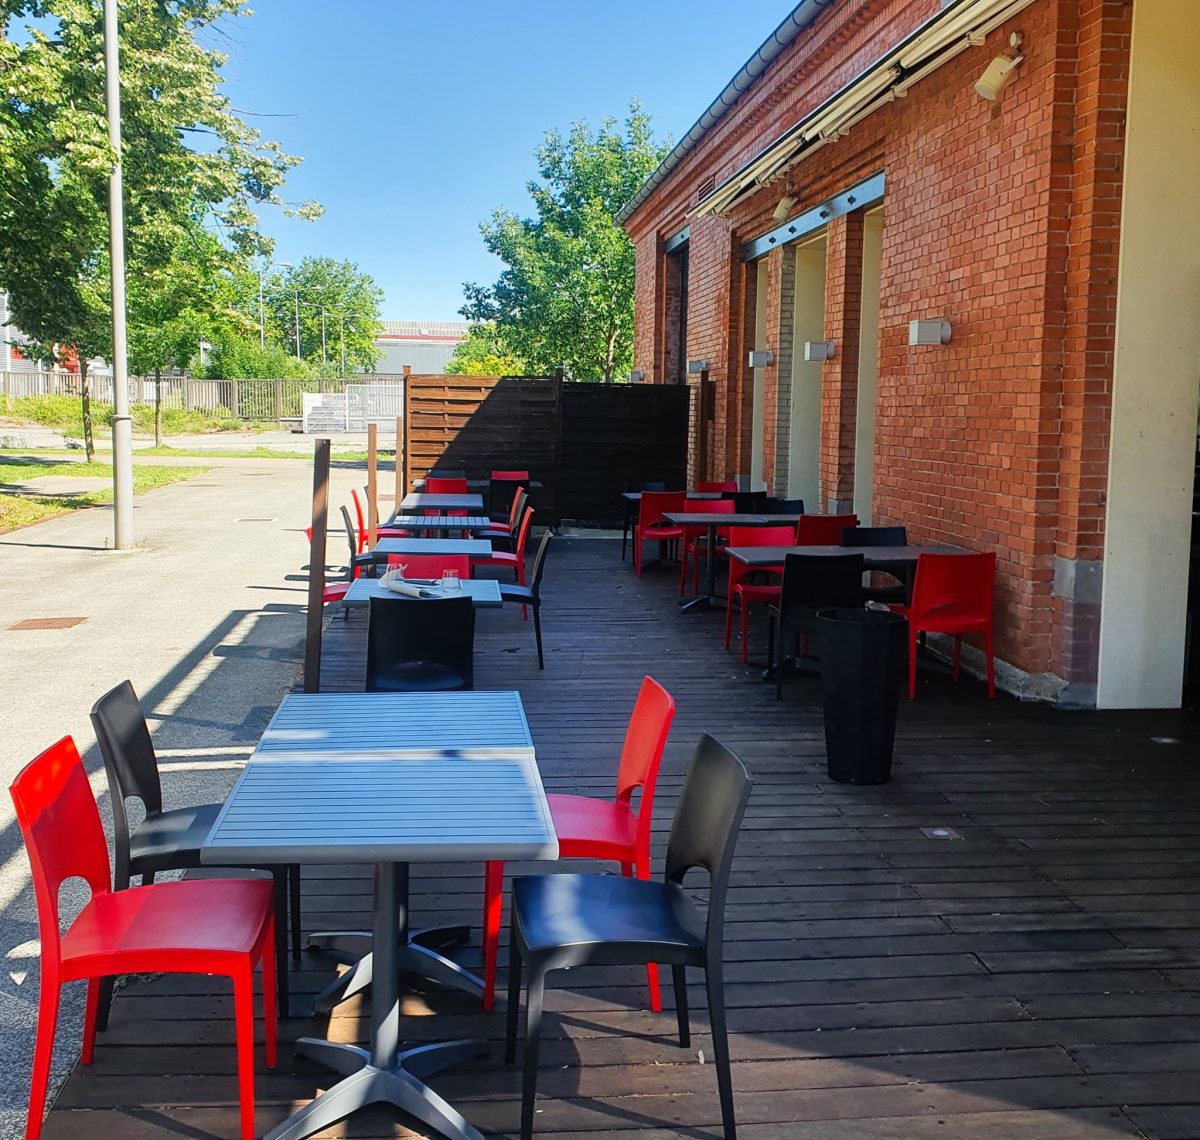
[(582, 441), (613, 434)]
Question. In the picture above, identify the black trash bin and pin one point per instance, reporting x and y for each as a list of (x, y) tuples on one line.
[(862, 668)]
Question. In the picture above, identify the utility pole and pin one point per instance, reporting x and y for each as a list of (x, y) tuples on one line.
[(122, 424), (296, 296), (322, 340), (262, 316), (342, 341)]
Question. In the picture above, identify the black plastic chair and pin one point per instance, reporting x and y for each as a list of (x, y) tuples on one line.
[(562, 921), (811, 582), (420, 645), (166, 840), (501, 493), (881, 536), (447, 473), (631, 510), (531, 595), (747, 502), (774, 506), (501, 531)]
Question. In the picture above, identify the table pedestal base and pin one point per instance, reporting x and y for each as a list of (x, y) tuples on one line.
[(364, 1084), (418, 954)]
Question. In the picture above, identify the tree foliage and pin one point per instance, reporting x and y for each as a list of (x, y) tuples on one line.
[(190, 164), (350, 299), (566, 296), (482, 353)]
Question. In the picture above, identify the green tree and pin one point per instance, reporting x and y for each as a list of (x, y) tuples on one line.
[(349, 299), (187, 157), (236, 357), (482, 353), (566, 296)]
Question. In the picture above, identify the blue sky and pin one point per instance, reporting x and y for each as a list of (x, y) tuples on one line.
[(415, 120)]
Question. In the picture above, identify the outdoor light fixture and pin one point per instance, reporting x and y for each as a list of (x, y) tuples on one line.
[(997, 74), (929, 332), (636, 377), (695, 367), (761, 357), (781, 211), (818, 350)]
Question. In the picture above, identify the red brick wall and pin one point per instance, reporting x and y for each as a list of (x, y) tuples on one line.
[(1001, 217)]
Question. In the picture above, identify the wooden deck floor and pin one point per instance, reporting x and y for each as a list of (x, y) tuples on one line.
[(1037, 978)]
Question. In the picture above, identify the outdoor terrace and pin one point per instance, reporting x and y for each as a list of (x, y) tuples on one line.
[(1037, 977)]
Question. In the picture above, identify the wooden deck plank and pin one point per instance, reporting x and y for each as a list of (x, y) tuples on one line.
[(1039, 977)]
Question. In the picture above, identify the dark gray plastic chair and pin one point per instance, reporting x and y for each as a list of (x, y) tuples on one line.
[(501, 531), (531, 595), (420, 645), (167, 840), (562, 921), (783, 506), (881, 536), (811, 582)]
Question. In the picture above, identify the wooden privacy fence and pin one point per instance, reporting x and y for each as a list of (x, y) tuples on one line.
[(582, 441)]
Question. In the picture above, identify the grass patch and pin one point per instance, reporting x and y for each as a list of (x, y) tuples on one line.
[(17, 511), (65, 414)]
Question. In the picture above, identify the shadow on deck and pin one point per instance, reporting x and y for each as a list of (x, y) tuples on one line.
[(1037, 977)]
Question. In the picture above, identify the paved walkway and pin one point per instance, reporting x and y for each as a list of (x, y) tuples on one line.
[(205, 617)]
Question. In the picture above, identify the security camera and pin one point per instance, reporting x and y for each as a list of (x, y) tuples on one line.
[(997, 75)]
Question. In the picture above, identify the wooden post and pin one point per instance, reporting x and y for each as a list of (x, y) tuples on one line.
[(400, 467), (316, 568), (372, 485), (407, 420)]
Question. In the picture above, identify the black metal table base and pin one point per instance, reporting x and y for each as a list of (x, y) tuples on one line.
[(417, 954), (708, 600), (385, 1074)]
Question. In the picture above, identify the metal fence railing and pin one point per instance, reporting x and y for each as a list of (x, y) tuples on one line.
[(268, 401)]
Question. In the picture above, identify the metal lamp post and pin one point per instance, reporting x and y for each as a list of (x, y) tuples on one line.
[(122, 424), (262, 318)]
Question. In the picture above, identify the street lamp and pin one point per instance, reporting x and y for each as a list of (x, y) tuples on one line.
[(262, 321), (342, 339)]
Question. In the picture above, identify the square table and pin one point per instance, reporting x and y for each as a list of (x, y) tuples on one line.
[(339, 727), (713, 521), (874, 557), (484, 592), (475, 547), (421, 503), (389, 813), (477, 725)]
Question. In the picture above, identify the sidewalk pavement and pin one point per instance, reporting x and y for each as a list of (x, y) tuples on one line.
[(204, 616)]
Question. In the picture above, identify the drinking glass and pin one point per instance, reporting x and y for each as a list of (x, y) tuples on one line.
[(450, 582)]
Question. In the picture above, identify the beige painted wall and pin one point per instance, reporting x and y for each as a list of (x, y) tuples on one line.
[(1147, 539), (758, 410), (804, 463), (868, 369)]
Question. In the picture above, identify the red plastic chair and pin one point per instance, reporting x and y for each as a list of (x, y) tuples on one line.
[(589, 828), (514, 560), (651, 526), (380, 531), (437, 486), (952, 593), (823, 530), (721, 486), (695, 538), (510, 476), (197, 926), (742, 593), (430, 565)]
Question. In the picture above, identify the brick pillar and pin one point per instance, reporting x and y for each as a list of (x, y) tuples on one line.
[(839, 379), (649, 307)]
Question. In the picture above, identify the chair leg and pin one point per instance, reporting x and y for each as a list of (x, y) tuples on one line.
[(104, 1002), (775, 659), (533, 1032), (537, 633), (279, 939), (270, 1020), (642, 871), (745, 637), (637, 551), (297, 926), (679, 976), (733, 596), (243, 1016), (91, 1004), (493, 886), (715, 984), (912, 665), (991, 661), (624, 538), (956, 657), (515, 964), (39, 1077)]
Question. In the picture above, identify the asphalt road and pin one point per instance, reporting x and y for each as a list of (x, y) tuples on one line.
[(204, 616)]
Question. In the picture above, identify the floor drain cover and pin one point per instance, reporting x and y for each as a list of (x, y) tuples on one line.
[(940, 833), (48, 623), (256, 520)]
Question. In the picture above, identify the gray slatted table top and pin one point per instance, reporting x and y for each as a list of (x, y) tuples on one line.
[(714, 518), (399, 811), (420, 503), (441, 522), (472, 725), (484, 592), (479, 547), (636, 496), (872, 555)]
